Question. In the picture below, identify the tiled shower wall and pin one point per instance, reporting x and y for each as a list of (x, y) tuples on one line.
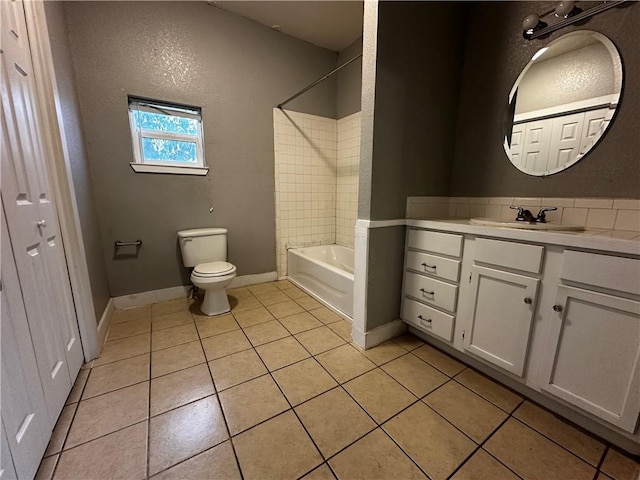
[(348, 161), (316, 179)]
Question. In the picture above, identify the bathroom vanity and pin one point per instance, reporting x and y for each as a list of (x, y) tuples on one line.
[(554, 315)]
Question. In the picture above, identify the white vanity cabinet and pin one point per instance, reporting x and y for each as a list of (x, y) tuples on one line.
[(592, 352), (431, 281), (554, 316), (504, 289)]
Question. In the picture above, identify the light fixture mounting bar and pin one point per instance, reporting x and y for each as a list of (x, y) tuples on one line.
[(575, 18)]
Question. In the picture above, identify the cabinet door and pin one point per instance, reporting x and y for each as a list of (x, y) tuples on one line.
[(500, 324), (591, 358)]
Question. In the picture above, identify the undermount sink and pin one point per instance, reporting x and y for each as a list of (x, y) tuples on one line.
[(526, 225)]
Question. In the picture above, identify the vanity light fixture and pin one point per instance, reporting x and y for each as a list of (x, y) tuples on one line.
[(565, 13)]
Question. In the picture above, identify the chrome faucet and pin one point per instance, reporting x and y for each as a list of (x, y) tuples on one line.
[(525, 215)]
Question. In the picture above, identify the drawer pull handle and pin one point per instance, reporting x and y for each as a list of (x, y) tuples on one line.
[(427, 292), (528, 301), (557, 308), (429, 266), (428, 320)]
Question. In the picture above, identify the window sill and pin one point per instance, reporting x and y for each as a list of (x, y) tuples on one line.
[(145, 168)]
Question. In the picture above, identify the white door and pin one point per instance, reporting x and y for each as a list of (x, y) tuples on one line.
[(592, 355), (566, 134), (24, 412), (32, 221), (502, 312), (535, 150)]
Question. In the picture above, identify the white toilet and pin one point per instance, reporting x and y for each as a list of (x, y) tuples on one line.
[(205, 249)]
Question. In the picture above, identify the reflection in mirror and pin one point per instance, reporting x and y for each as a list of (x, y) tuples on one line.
[(562, 103)]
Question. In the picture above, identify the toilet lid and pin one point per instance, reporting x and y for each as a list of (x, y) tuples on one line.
[(214, 269)]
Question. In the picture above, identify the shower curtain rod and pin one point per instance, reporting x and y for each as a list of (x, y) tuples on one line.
[(320, 80)]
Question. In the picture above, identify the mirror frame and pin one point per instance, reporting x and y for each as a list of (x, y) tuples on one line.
[(507, 124)]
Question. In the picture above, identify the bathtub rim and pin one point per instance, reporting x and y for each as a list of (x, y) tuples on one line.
[(333, 268)]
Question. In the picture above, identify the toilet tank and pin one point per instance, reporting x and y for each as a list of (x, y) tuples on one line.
[(202, 245)]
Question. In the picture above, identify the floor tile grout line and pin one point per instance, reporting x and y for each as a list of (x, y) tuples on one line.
[(64, 442), (224, 416), (481, 444), (601, 462), (565, 422), (553, 441), (148, 449)]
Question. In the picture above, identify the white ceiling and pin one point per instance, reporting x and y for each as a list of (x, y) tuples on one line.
[(333, 25)]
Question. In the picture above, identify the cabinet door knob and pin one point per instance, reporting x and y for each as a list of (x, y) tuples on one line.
[(528, 300), (41, 223), (427, 292), (428, 320), (557, 308)]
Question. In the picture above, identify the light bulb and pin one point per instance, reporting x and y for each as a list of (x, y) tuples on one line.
[(565, 8), (530, 22)]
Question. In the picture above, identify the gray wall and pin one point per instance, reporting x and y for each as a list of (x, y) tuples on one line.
[(73, 137), (420, 47), (192, 53), (496, 48), (418, 68), (349, 80)]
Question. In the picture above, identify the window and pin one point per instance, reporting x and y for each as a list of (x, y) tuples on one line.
[(167, 138)]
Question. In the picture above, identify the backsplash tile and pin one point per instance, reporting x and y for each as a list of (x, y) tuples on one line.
[(620, 217)]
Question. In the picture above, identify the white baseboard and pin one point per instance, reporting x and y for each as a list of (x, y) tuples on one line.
[(379, 334), (155, 296), (103, 324), (245, 280), (147, 298)]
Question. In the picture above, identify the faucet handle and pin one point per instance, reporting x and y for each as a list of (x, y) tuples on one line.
[(542, 218), (523, 214)]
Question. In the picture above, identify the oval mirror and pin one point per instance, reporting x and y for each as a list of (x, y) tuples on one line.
[(562, 103)]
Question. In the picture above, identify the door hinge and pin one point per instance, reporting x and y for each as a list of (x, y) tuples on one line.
[(470, 277), (463, 334)]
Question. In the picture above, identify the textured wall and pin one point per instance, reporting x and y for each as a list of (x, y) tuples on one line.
[(73, 137), (497, 50), (349, 80), (577, 75), (196, 54), (418, 69)]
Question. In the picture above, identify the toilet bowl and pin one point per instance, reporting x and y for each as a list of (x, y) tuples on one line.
[(213, 278), (205, 249)]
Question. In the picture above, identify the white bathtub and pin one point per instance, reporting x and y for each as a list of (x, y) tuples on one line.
[(325, 271)]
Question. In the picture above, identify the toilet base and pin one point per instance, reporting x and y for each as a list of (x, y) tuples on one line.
[(215, 302)]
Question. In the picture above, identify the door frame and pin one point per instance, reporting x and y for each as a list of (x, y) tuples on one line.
[(59, 168)]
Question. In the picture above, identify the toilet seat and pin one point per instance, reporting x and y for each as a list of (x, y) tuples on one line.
[(213, 269)]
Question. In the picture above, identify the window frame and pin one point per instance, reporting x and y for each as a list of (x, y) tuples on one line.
[(139, 165)]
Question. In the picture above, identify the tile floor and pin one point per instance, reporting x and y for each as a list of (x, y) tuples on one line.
[(276, 390)]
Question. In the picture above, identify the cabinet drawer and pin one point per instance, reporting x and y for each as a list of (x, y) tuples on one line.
[(519, 256), (434, 265), (428, 319), (445, 243), (606, 271), (431, 291)]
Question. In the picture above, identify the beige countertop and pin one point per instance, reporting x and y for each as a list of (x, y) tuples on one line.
[(617, 241)]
